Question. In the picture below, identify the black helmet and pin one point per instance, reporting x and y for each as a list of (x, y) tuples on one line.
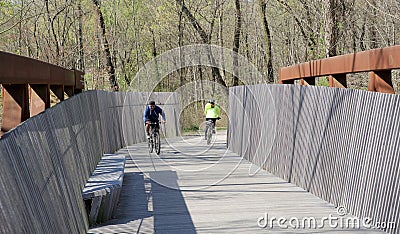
[(212, 101), (152, 103)]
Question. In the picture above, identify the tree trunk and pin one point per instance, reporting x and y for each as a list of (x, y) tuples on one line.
[(332, 10), (308, 36), (372, 29), (180, 44), (81, 63), (20, 28), (136, 41), (110, 66), (328, 21), (267, 37), (201, 85), (221, 42), (236, 41), (155, 55), (204, 37), (51, 22)]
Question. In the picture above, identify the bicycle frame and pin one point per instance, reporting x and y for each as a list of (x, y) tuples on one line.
[(154, 128), (154, 141), (210, 128)]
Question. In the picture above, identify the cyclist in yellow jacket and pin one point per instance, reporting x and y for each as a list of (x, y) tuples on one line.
[(212, 112)]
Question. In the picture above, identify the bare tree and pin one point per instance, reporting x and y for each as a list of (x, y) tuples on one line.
[(373, 28), (62, 32), (332, 12), (205, 38), (236, 41), (221, 38), (180, 42), (267, 36), (81, 61), (109, 63)]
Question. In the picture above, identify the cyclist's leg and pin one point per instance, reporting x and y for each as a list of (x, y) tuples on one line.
[(147, 130), (214, 124), (157, 129), (157, 139), (205, 133)]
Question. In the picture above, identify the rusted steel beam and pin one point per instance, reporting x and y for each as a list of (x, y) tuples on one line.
[(372, 60), (381, 81), (39, 98), (17, 72), (17, 69), (307, 81), (15, 106), (58, 90), (338, 81), (79, 80), (69, 90), (286, 82)]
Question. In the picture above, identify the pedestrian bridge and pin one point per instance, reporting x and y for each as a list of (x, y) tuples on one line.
[(291, 154), (301, 159)]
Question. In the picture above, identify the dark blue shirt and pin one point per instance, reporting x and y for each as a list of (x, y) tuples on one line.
[(152, 115)]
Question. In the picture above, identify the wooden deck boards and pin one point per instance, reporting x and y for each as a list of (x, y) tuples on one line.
[(197, 189)]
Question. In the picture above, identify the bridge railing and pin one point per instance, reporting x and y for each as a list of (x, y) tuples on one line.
[(47, 160), (26, 85), (378, 62), (341, 145)]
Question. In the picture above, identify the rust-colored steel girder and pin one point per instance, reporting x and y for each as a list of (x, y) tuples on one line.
[(40, 98), (15, 106), (379, 61), (380, 81), (26, 86), (15, 69)]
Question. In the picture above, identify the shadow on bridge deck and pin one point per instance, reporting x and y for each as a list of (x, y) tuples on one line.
[(193, 188)]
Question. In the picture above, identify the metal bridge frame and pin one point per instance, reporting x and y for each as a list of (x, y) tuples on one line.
[(27, 82), (26, 86), (378, 62)]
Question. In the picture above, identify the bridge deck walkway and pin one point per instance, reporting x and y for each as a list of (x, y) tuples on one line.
[(199, 189)]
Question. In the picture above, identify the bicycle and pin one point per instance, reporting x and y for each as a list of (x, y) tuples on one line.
[(210, 129), (154, 140)]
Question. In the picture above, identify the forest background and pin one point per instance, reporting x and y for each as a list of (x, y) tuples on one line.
[(111, 40)]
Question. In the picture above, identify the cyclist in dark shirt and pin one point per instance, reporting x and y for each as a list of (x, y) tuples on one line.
[(151, 115)]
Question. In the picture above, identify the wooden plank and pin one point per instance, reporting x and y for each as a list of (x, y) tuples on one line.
[(215, 193)]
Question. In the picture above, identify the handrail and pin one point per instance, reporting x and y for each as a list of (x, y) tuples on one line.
[(379, 62), (26, 85)]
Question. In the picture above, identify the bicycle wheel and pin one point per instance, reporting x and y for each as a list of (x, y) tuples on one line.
[(150, 143), (209, 133), (157, 143)]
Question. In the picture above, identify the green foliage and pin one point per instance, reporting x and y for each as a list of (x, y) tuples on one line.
[(297, 29), (322, 81), (6, 4), (7, 9), (192, 128), (222, 128)]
